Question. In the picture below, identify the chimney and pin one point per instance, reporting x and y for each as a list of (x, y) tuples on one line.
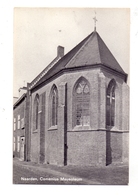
[(22, 91), (60, 51)]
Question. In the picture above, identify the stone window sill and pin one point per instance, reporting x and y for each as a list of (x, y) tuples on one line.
[(82, 128), (52, 128), (115, 129)]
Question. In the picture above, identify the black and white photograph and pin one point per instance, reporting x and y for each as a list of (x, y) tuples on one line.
[(71, 85)]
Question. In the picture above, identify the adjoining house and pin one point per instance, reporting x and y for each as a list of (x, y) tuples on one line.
[(78, 108), (19, 116)]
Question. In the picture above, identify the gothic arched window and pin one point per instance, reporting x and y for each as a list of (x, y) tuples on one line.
[(36, 105), (110, 104), (81, 103), (54, 105)]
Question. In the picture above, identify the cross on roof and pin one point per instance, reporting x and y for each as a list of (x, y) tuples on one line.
[(95, 20)]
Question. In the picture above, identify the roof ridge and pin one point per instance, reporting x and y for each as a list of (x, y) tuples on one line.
[(98, 47), (118, 67)]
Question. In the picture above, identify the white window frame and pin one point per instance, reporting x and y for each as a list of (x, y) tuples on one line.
[(14, 124), (18, 143), (19, 124)]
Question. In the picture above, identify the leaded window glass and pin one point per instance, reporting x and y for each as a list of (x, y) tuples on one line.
[(54, 106), (82, 103), (36, 107), (110, 104)]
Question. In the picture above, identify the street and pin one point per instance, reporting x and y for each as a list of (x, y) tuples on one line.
[(30, 173), (25, 175)]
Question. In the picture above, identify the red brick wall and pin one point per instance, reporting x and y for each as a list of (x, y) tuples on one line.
[(125, 150), (52, 147), (116, 147), (82, 148), (34, 147), (88, 147)]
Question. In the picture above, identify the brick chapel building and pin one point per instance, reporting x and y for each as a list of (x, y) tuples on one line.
[(78, 108)]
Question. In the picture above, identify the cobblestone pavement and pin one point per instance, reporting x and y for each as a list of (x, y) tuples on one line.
[(31, 173)]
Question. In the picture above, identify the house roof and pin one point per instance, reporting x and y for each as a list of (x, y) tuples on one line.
[(19, 100), (90, 51)]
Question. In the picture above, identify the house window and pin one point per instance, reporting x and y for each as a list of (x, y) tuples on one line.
[(81, 103), (36, 107), (54, 105), (18, 121), (14, 124), (110, 104), (18, 143), (14, 144)]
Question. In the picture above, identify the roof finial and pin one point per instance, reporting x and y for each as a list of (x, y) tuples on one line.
[(95, 20)]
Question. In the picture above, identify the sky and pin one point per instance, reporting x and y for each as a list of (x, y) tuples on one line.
[(38, 32)]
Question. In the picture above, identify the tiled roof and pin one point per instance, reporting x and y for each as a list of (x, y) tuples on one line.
[(91, 51), (94, 51)]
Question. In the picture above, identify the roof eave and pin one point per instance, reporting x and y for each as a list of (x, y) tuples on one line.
[(115, 70), (88, 66)]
